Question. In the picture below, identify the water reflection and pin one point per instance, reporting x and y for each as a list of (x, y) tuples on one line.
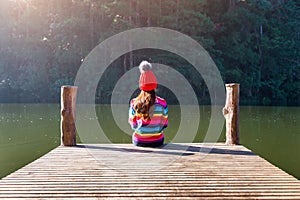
[(27, 131)]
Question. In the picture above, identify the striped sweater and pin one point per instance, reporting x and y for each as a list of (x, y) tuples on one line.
[(149, 131)]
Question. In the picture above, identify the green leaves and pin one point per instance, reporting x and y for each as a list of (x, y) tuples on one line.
[(253, 42)]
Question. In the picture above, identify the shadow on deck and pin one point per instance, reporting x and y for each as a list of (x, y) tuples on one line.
[(173, 149)]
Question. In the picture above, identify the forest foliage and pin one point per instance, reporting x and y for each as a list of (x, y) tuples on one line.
[(253, 42)]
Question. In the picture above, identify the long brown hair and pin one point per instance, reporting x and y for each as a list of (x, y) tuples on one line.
[(143, 104)]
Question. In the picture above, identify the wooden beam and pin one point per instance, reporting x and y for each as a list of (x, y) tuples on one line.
[(68, 107), (231, 113)]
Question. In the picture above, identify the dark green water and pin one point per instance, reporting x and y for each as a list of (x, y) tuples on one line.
[(28, 131)]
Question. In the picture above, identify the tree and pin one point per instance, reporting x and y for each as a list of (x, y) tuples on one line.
[(253, 42)]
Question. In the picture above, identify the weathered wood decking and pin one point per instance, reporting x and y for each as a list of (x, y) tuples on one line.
[(178, 171)]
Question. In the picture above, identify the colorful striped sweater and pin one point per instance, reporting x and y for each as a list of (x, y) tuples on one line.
[(149, 131)]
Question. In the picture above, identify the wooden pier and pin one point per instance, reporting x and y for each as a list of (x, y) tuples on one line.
[(176, 171)]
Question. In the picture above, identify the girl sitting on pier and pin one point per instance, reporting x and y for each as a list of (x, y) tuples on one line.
[(148, 113)]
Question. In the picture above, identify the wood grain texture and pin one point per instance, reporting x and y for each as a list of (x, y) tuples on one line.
[(175, 171), (231, 113), (68, 115)]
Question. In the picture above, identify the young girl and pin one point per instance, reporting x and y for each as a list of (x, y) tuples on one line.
[(148, 113)]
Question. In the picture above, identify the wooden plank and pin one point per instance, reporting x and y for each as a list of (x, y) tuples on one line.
[(180, 171)]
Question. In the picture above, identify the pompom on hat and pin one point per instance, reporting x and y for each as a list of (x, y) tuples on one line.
[(148, 80)]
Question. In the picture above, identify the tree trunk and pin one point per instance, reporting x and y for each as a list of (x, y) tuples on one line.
[(130, 12), (231, 4), (130, 43), (231, 113), (137, 14), (148, 14), (177, 14), (68, 107), (91, 25), (160, 12)]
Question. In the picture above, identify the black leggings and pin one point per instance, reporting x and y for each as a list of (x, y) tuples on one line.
[(151, 144)]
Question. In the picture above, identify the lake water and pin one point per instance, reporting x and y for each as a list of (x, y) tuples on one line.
[(28, 131)]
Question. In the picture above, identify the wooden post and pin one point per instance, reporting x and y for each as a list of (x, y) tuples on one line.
[(231, 113), (68, 107)]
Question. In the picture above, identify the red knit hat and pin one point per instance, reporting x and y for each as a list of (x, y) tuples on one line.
[(148, 80)]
